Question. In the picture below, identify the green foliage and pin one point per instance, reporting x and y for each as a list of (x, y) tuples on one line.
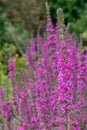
[(6, 52), (12, 33), (55, 128), (4, 80), (29, 13), (80, 25), (22, 16), (0, 119), (3, 37), (72, 8), (19, 35), (75, 12)]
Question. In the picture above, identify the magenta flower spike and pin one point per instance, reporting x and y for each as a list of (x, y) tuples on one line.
[(12, 68)]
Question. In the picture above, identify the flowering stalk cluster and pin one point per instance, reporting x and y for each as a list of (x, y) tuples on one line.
[(54, 98)]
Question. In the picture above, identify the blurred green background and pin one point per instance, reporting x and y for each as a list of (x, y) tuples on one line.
[(21, 19)]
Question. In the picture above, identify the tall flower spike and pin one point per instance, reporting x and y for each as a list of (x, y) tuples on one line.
[(60, 19), (12, 73), (49, 28)]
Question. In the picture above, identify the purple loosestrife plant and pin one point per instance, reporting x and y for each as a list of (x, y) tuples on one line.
[(12, 73), (54, 98), (65, 84)]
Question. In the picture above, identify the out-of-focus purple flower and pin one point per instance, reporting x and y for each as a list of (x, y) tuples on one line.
[(12, 68)]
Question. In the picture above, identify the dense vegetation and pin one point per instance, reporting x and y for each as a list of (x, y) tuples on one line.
[(49, 92), (20, 20)]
